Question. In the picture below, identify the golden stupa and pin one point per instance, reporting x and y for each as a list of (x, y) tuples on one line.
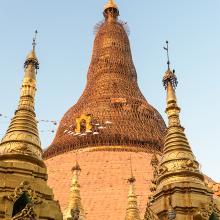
[(24, 193)]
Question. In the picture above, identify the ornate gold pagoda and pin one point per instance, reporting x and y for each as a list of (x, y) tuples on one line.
[(75, 209), (24, 193), (180, 191)]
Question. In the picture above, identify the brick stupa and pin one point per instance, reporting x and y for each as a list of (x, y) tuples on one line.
[(111, 122)]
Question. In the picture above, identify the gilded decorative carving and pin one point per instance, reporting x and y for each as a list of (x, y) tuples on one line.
[(154, 164), (20, 147), (149, 214), (25, 187), (75, 214), (208, 210)]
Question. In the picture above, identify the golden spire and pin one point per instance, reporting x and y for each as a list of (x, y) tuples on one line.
[(178, 163), (22, 136), (75, 208), (111, 11), (132, 212)]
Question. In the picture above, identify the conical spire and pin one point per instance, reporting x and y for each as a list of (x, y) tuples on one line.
[(111, 95), (132, 212), (75, 208), (22, 136), (178, 163), (180, 188)]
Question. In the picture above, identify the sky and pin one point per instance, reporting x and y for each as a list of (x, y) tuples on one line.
[(64, 47)]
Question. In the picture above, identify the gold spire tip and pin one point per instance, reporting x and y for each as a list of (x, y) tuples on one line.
[(34, 40), (31, 57), (76, 167), (169, 75), (168, 57), (110, 4)]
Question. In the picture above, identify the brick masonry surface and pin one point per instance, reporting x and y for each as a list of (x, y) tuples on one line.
[(103, 180)]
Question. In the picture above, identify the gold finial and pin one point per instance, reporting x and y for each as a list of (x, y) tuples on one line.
[(31, 57), (169, 75), (168, 57), (110, 4), (170, 83), (34, 40), (76, 168), (111, 11)]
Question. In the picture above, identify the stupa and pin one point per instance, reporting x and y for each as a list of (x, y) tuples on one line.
[(24, 192), (111, 122)]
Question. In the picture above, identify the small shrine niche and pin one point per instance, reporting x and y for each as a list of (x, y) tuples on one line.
[(20, 204), (83, 124)]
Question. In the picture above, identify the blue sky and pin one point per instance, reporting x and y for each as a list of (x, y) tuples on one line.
[(64, 49)]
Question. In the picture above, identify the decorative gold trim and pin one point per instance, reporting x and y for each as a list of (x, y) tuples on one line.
[(149, 214), (207, 211), (26, 214), (25, 187)]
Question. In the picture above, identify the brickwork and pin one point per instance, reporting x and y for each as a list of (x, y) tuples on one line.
[(103, 180), (111, 94)]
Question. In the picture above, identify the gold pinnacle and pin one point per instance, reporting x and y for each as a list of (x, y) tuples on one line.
[(110, 4)]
